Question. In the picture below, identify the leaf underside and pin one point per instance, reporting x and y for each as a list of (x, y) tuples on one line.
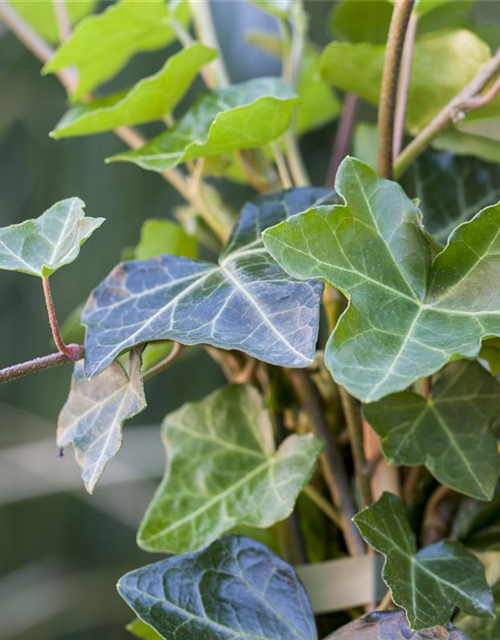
[(94, 413), (234, 590), (246, 302), (223, 471), (429, 584), (41, 246), (450, 434), (408, 314)]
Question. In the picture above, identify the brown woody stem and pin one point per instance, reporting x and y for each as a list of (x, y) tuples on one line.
[(40, 364)]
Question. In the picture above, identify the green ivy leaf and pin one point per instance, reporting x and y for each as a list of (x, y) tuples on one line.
[(141, 630), (164, 236), (94, 413), (450, 434), (391, 625), (150, 99), (244, 302), (358, 68), (41, 246), (429, 584), (41, 16), (234, 590), (345, 20), (241, 116), (479, 628), (102, 44), (318, 104), (464, 143), (451, 189), (224, 471), (408, 315)]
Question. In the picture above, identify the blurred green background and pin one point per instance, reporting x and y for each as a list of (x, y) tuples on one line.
[(62, 551)]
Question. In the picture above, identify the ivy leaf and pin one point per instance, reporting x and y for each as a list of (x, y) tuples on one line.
[(241, 116), (391, 625), (450, 434), (481, 629), (141, 630), (224, 471), (464, 143), (94, 413), (358, 68), (451, 189), (244, 302), (408, 315), (429, 584), (41, 16), (164, 236), (150, 99), (122, 30), (41, 246), (234, 590)]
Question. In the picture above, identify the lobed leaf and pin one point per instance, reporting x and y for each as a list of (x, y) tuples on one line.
[(391, 625), (241, 116), (102, 44), (234, 590), (244, 302), (450, 434), (451, 189), (94, 413), (41, 16), (408, 314), (480, 628), (358, 68), (429, 584), (224, 471), (152, 98), (41, 246)]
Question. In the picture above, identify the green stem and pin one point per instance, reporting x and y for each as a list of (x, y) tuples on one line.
[(326, 507), (389, 90), (355, 428), (467, 100)]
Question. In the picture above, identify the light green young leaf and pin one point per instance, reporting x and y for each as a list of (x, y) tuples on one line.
[(94, 413), (450, 434), (152, 98), (241, 116), (490, 351), (41, 246), (408, 315), (164, 236), (358, 68), (465, 143), (41, 16), (141, 630), (102, 44), (223, 471), (429, 584)]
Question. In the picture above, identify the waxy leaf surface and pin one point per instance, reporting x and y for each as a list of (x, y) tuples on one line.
[(451, 189), (358, 68), (93, 415), (429, 584), (235, 590), (391, 625), (244, 302), (408, 315), (41, 246), (223, 471), (450, 433), (152, 98), (40, 14), (102, 44), (241, 116)]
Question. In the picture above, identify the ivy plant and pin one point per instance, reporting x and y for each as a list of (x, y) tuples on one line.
[(356, 318)]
